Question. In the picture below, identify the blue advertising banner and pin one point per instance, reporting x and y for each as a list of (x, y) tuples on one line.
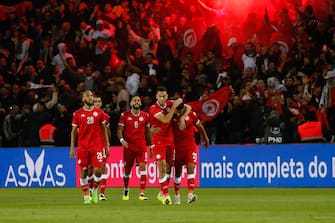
[(298, 165), (295, 165), (36, 167)]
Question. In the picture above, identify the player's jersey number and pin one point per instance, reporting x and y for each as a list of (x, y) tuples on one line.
[(90, 120)]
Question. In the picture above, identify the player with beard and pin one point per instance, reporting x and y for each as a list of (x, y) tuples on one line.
[(98, 104), (134, 134), (88, 125), (163, 150), (186, 150)]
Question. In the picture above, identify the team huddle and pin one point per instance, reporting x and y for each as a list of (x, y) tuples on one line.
[(168, 129)]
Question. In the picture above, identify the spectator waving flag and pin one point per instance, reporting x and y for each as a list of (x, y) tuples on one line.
[(212, 106)]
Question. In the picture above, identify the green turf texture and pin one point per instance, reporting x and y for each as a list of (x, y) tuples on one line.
[(215, 205)]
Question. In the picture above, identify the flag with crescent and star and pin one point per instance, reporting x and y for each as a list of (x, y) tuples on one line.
[(207, 109)]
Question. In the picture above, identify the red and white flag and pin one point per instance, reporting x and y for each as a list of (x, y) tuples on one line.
[(212, 106)]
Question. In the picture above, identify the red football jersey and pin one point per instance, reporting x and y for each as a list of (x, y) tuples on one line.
[(185, 137), (107, 119), (101, 136), (134, 129), (165, 135), (89, 127)]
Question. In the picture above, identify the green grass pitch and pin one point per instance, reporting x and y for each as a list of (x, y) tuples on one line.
[(215, 205)]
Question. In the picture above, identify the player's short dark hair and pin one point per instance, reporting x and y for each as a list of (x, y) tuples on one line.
[(135, 95), (161, 88), (180, 107)]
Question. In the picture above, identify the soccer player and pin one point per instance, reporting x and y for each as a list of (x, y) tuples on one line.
[(161, 114), (186, 150), (98, 104), (88, 124), (134, 134)]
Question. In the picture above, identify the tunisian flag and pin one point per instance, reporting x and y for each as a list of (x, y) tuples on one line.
[(212, 106)]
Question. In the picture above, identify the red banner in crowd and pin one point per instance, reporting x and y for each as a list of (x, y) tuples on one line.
[(212, 106)]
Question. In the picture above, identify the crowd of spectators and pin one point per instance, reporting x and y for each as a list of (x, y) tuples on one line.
[(51, 51)]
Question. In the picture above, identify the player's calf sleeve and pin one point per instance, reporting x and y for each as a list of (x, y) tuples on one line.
[(84, 185), (126, 181), (90, 180), (143, 180), (168, 176), (96, 181), (177, 181), (164, 185), (103, 183), (190, 182)]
